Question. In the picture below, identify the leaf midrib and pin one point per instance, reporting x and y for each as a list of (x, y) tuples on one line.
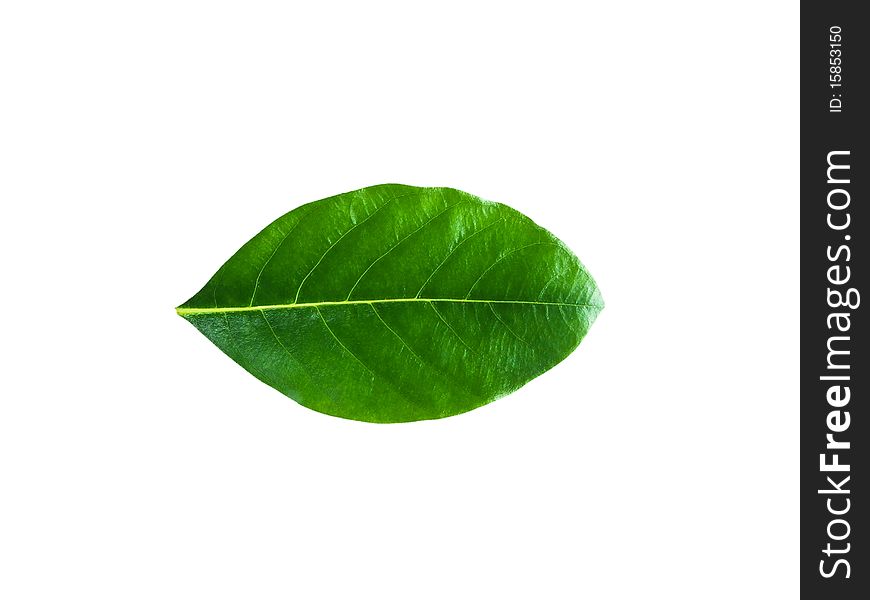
[(233, 309)]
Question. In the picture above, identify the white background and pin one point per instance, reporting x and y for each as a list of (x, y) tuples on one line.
[(142, 143)]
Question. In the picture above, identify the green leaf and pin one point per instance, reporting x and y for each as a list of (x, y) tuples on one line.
[(396, 303)]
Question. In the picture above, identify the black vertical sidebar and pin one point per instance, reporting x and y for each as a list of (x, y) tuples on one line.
[(834, 369)]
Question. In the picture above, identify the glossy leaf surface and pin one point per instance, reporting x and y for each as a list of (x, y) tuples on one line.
[(396, 303)]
